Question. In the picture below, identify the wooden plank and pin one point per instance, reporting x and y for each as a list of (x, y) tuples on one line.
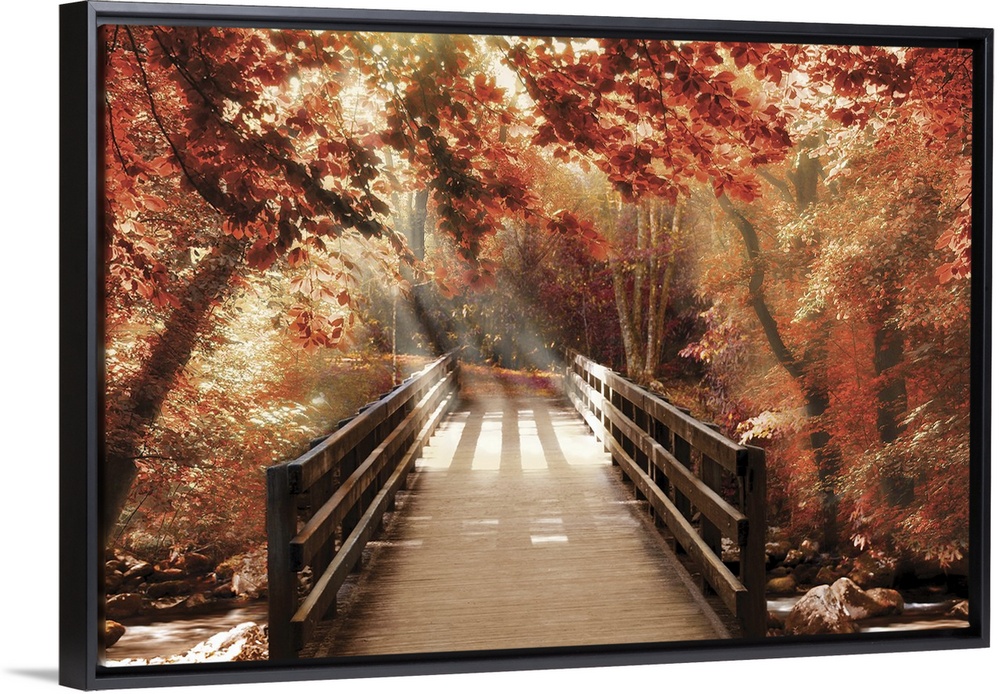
[(705, 499), (484, 556)]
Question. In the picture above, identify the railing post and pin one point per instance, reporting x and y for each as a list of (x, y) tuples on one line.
[(752, 556), (281, 580)]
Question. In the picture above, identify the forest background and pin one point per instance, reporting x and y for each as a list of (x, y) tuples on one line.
[(30, 352)]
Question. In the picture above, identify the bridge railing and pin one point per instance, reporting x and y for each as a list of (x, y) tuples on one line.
[(323, 507), (709, 491)]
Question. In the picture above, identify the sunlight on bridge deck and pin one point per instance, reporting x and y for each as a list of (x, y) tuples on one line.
[(516, 533)]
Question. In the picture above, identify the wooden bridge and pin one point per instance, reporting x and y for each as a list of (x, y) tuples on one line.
[(511, 527)]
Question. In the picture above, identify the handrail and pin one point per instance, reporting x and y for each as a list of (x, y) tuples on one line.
[(682, 466), (323, 507)]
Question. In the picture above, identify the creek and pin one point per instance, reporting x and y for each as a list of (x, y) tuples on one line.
[(916, 615), (176, 636)]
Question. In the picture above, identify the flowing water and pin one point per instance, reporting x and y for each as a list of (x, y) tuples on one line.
[(177, 636), (916, 615)]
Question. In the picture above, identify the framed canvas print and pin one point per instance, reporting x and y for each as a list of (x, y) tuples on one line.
[(425, 342)]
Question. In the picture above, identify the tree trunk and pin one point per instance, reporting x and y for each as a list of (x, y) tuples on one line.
[(891, 403), (826, 453), (624, 301), (151, 385)]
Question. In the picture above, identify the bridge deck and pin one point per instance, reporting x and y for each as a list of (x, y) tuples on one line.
[(516, 533)]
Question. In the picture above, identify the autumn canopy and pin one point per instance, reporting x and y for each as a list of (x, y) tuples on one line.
[(776, 236)]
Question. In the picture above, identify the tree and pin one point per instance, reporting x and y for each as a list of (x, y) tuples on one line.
[(660, 117)]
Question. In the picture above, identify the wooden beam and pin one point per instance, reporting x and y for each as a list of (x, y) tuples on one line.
[(323, 524), (324, 592), (717, 574), (281, 579), (712, 506)]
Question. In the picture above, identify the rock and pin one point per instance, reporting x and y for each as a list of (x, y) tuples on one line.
[(251, 577), (196, 600), (793, 558), (779, 571), (805, 574), (140, 570), (134, 585), (869, 572), (123, 605), (809, 549), (853, 601), (161, 575), (889, 601), (827, 575), (112, 632), (113, 581), (114, 565), (159, 590), (225, 570), (777, 551), (783, 585), (196, 564), (775, 621), (730, 551), (224, 591), (818, 612), (960, 610)]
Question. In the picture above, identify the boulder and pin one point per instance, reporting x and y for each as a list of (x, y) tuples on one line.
[(112, 632), (250, 579), (223, 591), (782, 585), (113, 581), (775, 621), (123, 605), (869, 572), (196, 564), (889, 601), (960, 610), (852, 601), (196, 600), (161, 575), (793, 558), (777, 551), (809, 549), (827, 575), (140, 570), (159, 590), (805, 574), (819, 612)]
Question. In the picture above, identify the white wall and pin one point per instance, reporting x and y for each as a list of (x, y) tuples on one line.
[(29, 385)]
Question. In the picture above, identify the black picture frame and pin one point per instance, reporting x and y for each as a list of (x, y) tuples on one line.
[(80, 349)]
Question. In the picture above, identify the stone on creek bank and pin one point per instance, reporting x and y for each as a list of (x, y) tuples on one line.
[(782, 585), (169, 588), (960, 610), (112, 632), (834, 609), (124, 605)]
